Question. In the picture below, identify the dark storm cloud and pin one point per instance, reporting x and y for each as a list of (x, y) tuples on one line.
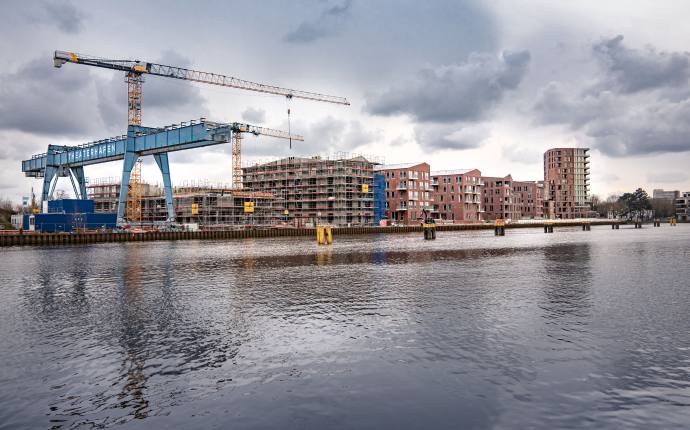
[(64, 15), (326, 135), (451, 137), (627, 110), (656, 127), (40, 99), (329, 22), (632, 70), (461, 92), (164, 100), (556, 104), (254, 116)]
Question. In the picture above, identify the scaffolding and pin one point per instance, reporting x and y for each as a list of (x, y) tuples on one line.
[(333, 190), (211, 206)]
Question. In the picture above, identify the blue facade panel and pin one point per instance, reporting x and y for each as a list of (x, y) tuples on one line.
[(379, 198), (53, 222), (95, 221), (69, 222), (70, 206)]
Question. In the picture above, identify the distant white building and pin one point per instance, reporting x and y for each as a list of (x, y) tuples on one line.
[(683, 207), (665, 195), (17, 221)]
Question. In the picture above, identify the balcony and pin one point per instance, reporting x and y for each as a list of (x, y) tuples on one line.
[(402, 187)]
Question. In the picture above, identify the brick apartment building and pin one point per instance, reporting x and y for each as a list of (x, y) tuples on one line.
[(457, 195), (336, 190), (566, 183), (408, 191), (497, 195), (529, 198)]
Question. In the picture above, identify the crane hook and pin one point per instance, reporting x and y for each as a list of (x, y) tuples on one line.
[(287, 102)]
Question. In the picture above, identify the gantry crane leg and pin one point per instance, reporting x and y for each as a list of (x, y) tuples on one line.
[(162, 161), (130, 158)]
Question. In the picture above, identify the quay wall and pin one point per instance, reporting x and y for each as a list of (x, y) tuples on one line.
[(50, 239)]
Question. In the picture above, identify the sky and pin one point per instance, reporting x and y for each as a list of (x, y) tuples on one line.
[(459, 84)]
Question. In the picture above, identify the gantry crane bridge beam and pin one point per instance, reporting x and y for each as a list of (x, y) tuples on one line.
[(69, 161)]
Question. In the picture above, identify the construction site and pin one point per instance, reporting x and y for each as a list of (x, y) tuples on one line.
[(337, 190), (202, 205), (140, 205)]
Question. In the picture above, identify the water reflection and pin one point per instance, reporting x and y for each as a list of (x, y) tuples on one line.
[(133, 336), (523, 331), (567, 286)]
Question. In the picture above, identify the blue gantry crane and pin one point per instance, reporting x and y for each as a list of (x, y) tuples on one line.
[(69, 161), (63, 161)]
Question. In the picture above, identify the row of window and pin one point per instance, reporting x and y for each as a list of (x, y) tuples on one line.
[(408, 174)]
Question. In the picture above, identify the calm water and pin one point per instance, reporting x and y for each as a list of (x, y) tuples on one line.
[(567, 330)]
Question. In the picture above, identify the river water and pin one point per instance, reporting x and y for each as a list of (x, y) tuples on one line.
[(566, 330)]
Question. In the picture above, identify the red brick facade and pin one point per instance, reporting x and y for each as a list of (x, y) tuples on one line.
[(457, 195), (408, 192), (529, 198), (497, 195), (566, 182)]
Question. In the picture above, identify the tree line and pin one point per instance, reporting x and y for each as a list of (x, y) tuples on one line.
[(633, 205)]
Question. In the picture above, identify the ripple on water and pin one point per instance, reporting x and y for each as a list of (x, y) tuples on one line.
[(570, 330)]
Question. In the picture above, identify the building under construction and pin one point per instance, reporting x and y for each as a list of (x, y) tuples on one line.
[(204, 204), (337, 190)]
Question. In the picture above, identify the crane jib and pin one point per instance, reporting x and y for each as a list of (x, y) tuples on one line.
[(61, 57)]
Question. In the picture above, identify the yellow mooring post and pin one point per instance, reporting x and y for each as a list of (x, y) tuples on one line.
[(548, 227), (500, 227), (320, 235), (429, 231), (329, 235)]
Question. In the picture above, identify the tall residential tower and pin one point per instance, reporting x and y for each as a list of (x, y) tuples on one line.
[(566, 183)]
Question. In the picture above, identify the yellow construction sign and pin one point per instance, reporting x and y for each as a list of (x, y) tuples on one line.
[(248, 207), (365, 188), (195, 208)]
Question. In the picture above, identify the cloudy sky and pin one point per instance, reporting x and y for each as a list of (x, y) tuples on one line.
[(459, 84)]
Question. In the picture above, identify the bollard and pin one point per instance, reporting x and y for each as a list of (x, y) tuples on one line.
[(548, 227), (586, 227), (429, 231), (329, 235), (320, 235), (672, 222), (500, 227)]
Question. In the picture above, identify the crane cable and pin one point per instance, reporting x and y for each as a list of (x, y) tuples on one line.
[(287, 103)]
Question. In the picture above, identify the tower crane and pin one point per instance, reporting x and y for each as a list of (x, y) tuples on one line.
[(237, 132), (135, 71)]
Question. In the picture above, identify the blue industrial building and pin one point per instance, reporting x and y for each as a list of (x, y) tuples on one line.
[(68, 215), (379, 198)]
